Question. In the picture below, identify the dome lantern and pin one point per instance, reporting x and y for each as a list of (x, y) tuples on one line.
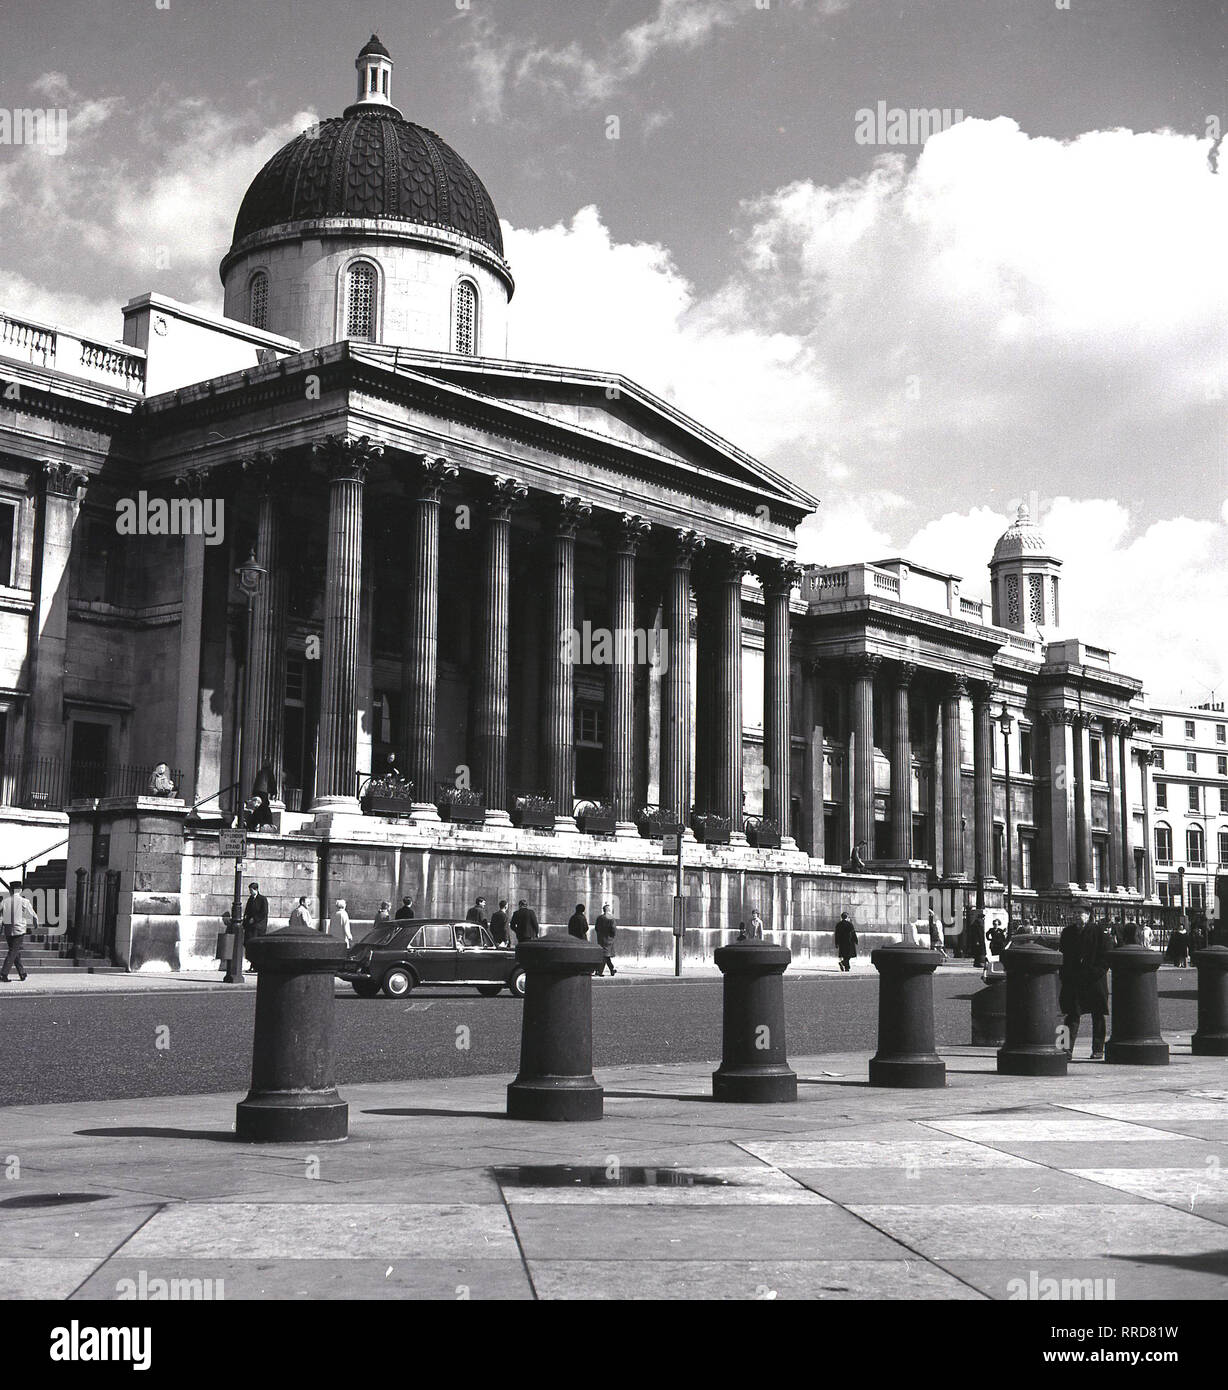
[(374, 64), (1024, 579)]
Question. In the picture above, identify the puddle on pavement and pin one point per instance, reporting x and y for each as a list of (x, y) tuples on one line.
[(53, 1199), (624, 1175)]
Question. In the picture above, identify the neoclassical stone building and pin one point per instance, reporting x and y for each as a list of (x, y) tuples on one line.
[(567, 613)]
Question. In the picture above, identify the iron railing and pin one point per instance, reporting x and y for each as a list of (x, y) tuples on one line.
[(49, 784)]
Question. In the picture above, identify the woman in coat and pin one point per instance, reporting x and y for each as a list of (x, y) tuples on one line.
[(846, 941), (1084, 980)]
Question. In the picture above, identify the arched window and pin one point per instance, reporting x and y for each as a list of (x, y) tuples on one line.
[(258, 300), (1164, 845), (1194, 845), (465, 337), (360, 302)]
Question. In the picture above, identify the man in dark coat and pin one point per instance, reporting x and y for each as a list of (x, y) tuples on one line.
[(524, 923), (846, 941), (405, 913), (604, 927), (577, 924), (1084, 984), (255, 913), (477, 913), (498, 923)]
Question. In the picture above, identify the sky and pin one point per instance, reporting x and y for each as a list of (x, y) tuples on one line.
[(1031, 304)]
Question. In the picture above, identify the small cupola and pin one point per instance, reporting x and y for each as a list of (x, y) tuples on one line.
[(374, 65)]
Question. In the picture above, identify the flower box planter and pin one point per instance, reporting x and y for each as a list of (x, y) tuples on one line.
[(762, 834), (461, 806), (533, 813), (652, 823), (597, 820), (712, 830), (385, 805)]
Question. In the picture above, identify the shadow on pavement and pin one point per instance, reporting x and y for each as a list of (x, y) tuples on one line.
[(220, 1136), (445, 1114), (655, 1095), (1214, 1263)]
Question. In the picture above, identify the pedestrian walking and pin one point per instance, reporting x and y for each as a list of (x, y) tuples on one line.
[(17, 917), (846, 941), (1084, 984), (340, 924), (405, 913), (477, 913), (935, 930), (255, 913), (498, 924), (755, 928), (605, 930), (1177, 952), (1145, 936), (300, 917), (524, 922), (577, 924)]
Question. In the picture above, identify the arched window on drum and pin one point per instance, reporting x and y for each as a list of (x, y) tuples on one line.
[(360, 302), (258, 300), (465, 330)]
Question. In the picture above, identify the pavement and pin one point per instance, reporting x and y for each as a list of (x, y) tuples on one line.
[(1109, 1183)]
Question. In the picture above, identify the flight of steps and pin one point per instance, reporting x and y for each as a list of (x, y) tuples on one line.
[(42, 954)]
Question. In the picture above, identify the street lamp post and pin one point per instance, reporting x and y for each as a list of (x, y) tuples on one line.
[(249, 575), (1006, 724)]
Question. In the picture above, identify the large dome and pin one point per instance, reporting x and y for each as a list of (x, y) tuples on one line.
[(370, 162)]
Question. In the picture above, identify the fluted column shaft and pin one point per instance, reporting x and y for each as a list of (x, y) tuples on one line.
[(982, 766), (864, 670), (420, 669), (726, 749), (1111, 776), (1061, 796), (1146, 757), (266, 686), (491, 691), (620, 691), (676, 711), (1083, 800), (338, 740), (1123, 793), (778, 578), (901, 768), (952, 836), (558, 708)]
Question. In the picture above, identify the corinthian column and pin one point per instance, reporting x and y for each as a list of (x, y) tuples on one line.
[(1063, 869), (676, 704), (424, 481), (1124, 760), (266, 686), (901, 766), (726, 750), (347, 461), (865, 667), (490, 695), (1083, 799), (952, 800), (1112, 729), (778, 578), (982, 765), (558, 709), (629, 531)]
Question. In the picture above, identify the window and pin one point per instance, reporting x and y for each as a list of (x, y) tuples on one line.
[(1223, 799), (1036, 599), (1220, 733), (373, 83), (465, 339), (1223, 846), (1221, 765), (360, 303), (1012, 600), (100, 563), (1026, 854), (8, 541), (1025, 751), (1164, 845), (1198, 894), (999, 842), (258, 306), (1100, 854), (1097, 752), (1189, 728), (1162, 795), (1194, 806), (590, 725), (1191, 762), (385, 82), (1194, 845), (1056, 618), (1159, 757)]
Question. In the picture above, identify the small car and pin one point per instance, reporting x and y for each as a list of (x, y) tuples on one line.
[(400, 956)]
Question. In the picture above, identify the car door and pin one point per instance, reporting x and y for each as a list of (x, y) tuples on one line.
[(433, 954), (482, 963)]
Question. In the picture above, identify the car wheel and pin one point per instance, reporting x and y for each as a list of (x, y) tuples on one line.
[(516, 984), (398, 982), (489, 990), (366, 991)]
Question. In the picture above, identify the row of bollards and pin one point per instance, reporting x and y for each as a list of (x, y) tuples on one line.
[(293, 1097)]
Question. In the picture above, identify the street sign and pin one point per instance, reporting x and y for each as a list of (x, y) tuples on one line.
[(669, 845), (232, 844)]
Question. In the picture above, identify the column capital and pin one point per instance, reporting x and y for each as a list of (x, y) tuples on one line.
[(731, 562), (982, 692), (778, 576), (628, 531), (346, 457), (1123, 728), (955, 687), (1054, 717), (687, 545), (865, 664), (565, 515), (267, 470), (1081, 719), (62, 479), (501, 496), (905, 673), (1146, 756)]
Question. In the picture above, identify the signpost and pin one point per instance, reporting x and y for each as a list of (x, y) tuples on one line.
[(671, 846), (232, 844)]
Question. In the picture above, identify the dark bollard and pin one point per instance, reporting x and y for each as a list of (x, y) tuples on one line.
[(293, 1098), (906, 1055), (989, 1013), (1135, 1036), (1031, 1047), (753, 1063), (1211, 1039), (555, 1081)]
